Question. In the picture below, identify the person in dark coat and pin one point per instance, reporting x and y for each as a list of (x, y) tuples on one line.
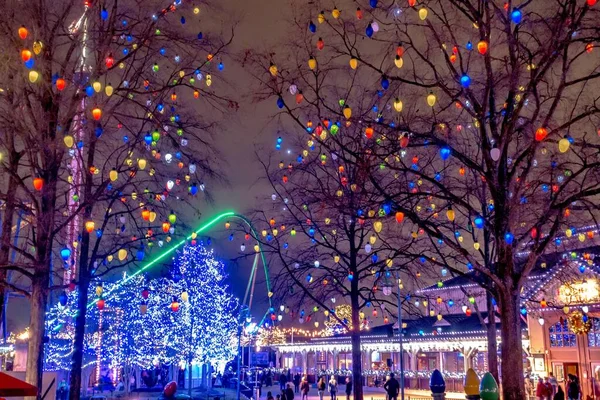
[(573, 389), (289, 392), (282, 381), (296, 383), (560, 395), (348, 387), (392, 387)]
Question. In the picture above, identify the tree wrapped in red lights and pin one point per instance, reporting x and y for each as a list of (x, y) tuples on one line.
[(485, 111)]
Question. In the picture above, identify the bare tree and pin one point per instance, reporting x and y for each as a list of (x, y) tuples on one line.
[(331, 235), (87, 158), (488, 111)]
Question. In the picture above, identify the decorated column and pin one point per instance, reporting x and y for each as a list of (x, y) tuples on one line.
[(335, 359), (304, 361), (367, 359)]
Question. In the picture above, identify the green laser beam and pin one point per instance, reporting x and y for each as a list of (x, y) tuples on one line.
[(201, 229)]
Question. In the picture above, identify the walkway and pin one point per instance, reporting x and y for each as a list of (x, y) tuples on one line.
[(370, 393)]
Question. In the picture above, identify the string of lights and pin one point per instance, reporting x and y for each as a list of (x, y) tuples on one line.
[(145, 322)]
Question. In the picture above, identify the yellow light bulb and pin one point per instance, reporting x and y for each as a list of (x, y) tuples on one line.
[(431, 99)]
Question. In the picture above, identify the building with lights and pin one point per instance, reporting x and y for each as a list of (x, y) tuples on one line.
[(560, 330)]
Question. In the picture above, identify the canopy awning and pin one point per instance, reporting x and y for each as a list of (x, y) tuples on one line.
[(13, 387)]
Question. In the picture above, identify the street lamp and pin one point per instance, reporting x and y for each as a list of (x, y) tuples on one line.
[(387, 290), (241, 322)]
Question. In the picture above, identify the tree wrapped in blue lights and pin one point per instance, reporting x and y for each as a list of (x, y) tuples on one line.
[(200, 322), (137, 322), (60, 329)]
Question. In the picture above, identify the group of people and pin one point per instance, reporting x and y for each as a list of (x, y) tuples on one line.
[(391, 386), (301, 385), (549, 389)]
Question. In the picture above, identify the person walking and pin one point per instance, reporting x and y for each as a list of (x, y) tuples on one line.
[(549, 389), (333, 388), (560, 395), (304, 388), (573, 389), (289, 392), (62, 390), (270, 396), (321, 386), (297, 382), (553, 382), (540, 390), (392, 388), (282, 381), (348, 387)]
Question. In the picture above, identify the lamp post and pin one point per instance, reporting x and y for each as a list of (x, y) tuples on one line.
[(387, 290), (241, 322), (400, 338)]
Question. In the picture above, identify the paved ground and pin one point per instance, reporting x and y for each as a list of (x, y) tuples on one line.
[(230, 394)]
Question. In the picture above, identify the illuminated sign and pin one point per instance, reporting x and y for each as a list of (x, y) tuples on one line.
[(579, 292)]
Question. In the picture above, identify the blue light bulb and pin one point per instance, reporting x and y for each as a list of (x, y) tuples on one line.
[(516, 16), (445, 153), (465, 81), (509, 238), (385, 83), (479, 222)]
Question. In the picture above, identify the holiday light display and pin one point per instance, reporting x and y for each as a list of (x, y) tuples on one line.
[(60, 330), (125, 134), (203, 326), (472, 157), (138, 326)]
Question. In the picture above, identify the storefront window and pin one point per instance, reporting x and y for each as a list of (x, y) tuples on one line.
[(560, 336), (594, 334), (427, 361)]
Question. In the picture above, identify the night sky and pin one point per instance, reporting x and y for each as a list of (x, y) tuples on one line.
[(260, 25), (252, 128)]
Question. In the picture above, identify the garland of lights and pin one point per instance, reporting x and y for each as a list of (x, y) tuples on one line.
[(201, 323), (144, 323)]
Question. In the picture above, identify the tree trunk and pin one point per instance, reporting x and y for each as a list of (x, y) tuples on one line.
[(513, 384), (190, 378), (35, 349), (44, 223), (77, 359), (84, 278), (126, 376), (491, 338), (357, 378), (7, 221)]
